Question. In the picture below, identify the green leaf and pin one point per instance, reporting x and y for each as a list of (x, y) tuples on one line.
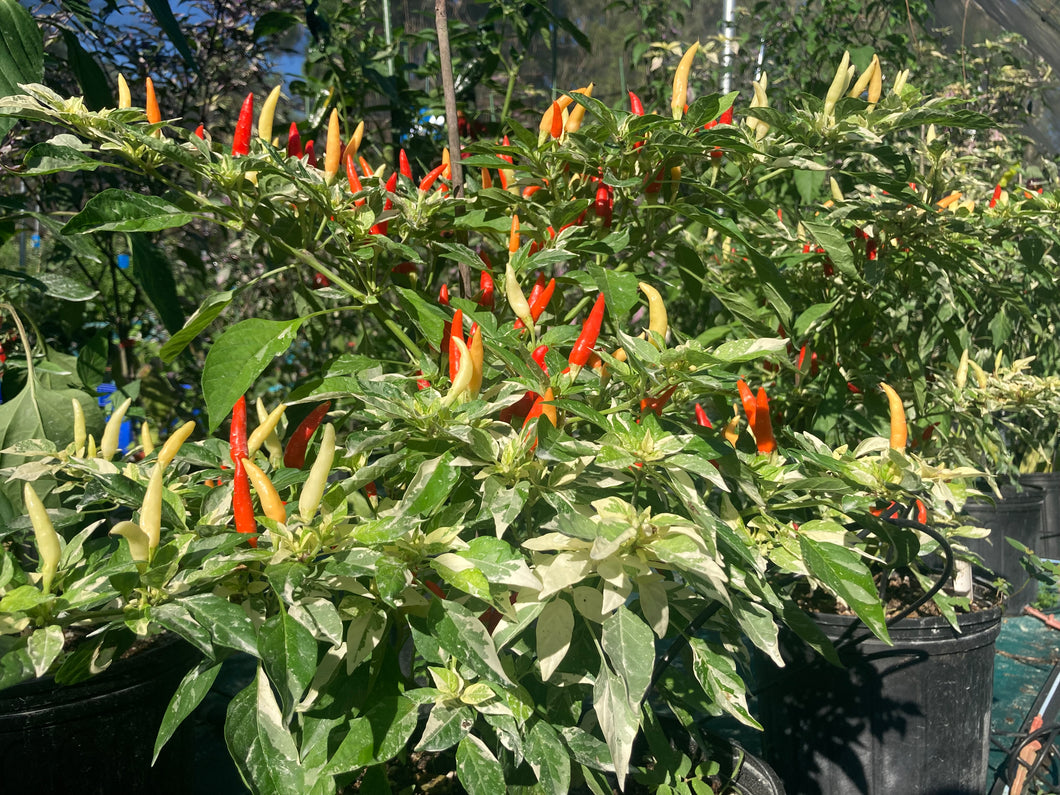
[(555, 628), (446, 726), (617, 720), (630, 646), (89, 74), (155, 274), (116, 210), (715, 670), (289, 654), (43, 646), (477, 768), (843, 571), (238, 357), (430, 486), (62, 154), (21, 53), (213, 306), (459, 632), (548, 758), (835, 245), (228, 624), (93, 360), (168, 22), (355, 750), (259, 741), (190, 693)]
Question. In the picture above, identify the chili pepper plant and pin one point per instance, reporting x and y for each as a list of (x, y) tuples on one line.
[(525, 520)]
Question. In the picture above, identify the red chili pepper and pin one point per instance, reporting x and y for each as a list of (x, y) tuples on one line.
[(702, 418), (556, 130), (583, 346), (200, 132), (604, 205), (404, 168), (353, 180), (657, 403), (997, 195), (320, 280), (294, 453), (294, 141), (537, 306), (747, 398), (535, 293), (763, 424), (242, 506), (852, 388), (636, 107), (432, 176), (520, 408), (726, 117), (539, 356), (237, 434), (443, 295), (310, 155), (434, 588), (486, 290), (921, 512), (244, 126), (456, 332)]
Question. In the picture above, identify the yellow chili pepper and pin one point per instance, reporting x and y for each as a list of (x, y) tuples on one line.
[(91, 450), (476, 352), (516, 300), (124, 95), (875, 82), (333, 149), (48, 547), (146, 442), (577, 113), (658, 322), (680, 88), (313, 488), (267, 114), (731, 432), (899, 429), (355, 142), (108, 444), (962, 370), (272, 439), (173, 443), (266, 427), (462, 380), (271, 504)]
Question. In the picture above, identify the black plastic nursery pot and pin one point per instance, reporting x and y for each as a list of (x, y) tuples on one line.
[(96, 737), (912, 718), (1017, 515), (1048, 545)]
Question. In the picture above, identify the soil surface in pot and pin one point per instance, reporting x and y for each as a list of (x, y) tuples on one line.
[(902, 591)]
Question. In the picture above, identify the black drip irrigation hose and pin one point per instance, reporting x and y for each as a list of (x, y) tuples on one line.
[(1045, 737), (847, 641)]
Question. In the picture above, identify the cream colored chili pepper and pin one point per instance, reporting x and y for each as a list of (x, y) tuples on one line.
[(124, 95), (151, 511), (79, 428), (863, 82), (313, 488), (90, 452), (962, 370), (108, 444), (838, 87), (271, 504), (139, 544), (267, 114), (48, 547), (173, 443), (265, 428), (680, 89), (899, 428)]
